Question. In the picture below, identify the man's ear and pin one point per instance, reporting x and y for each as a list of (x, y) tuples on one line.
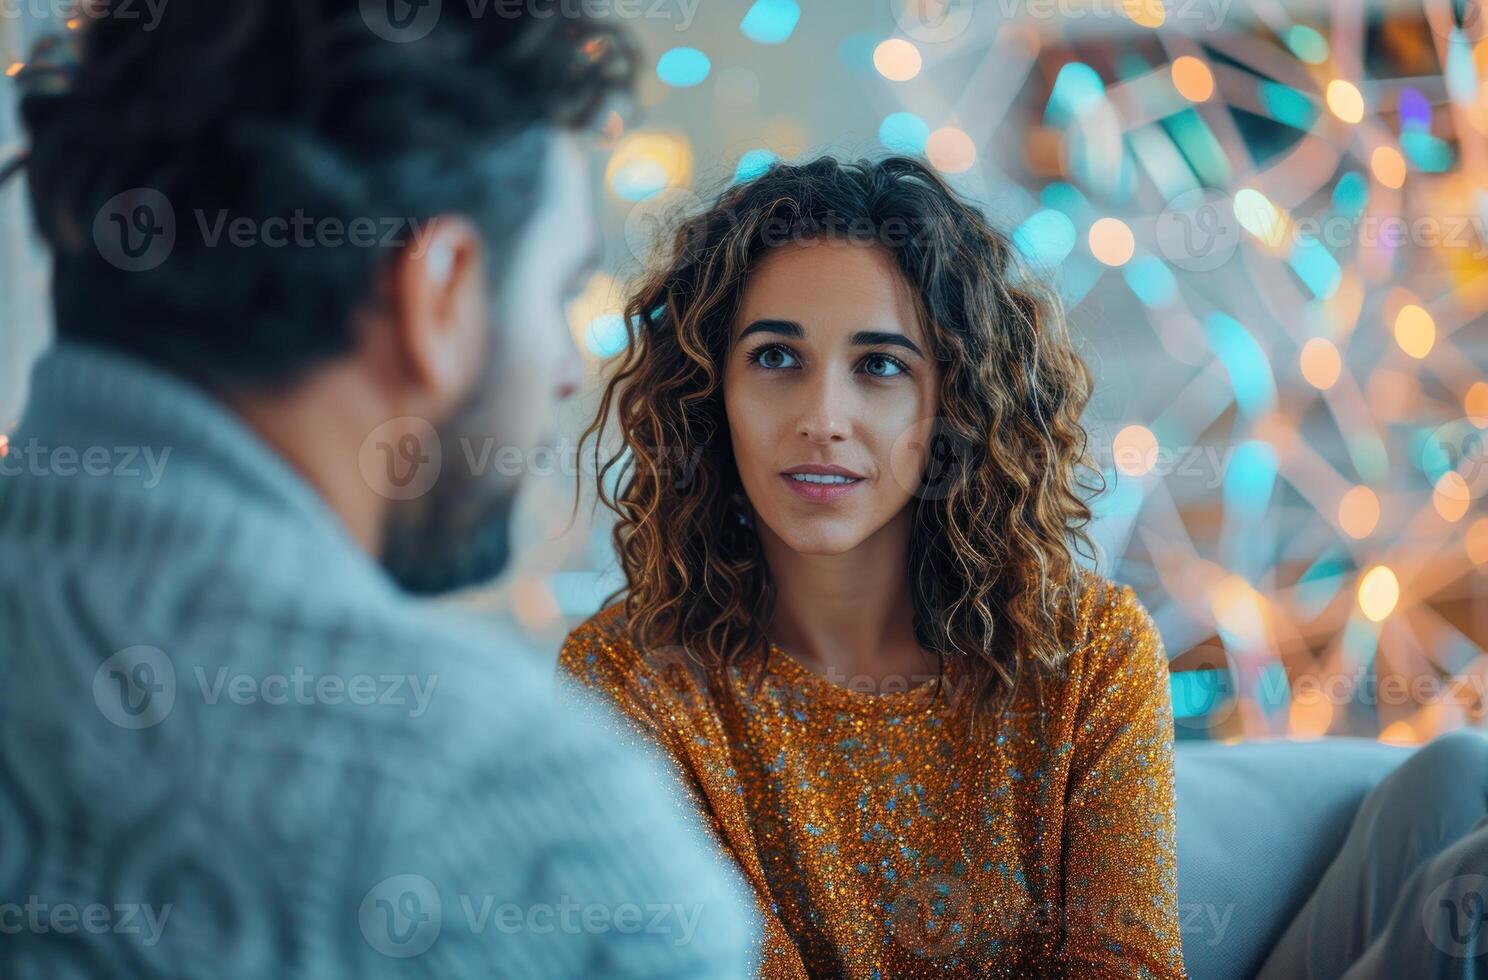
[(438, 308)]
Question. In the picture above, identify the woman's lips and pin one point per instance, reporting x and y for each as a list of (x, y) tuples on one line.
[(820, 492)]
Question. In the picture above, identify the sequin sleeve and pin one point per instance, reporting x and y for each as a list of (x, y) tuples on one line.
[(1120, 849), (597, 661)]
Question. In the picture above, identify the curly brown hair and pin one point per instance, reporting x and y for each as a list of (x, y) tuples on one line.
[(992, 565)]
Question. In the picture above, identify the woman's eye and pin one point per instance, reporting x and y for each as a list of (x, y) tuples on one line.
[(882, 366), (774, 358)]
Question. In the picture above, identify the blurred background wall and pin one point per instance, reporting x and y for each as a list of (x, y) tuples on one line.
[(24, 319), (1268, 221)]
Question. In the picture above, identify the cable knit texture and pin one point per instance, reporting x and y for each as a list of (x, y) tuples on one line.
[(232, 748)]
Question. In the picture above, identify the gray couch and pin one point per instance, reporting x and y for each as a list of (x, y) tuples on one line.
[(1258, 823)]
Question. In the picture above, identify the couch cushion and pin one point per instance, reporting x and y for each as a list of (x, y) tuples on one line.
[(1258, 823)]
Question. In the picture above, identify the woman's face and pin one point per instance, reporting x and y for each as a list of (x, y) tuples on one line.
[(830, 390)]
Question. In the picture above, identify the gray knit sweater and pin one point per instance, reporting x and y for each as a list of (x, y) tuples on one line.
[(229, 747)]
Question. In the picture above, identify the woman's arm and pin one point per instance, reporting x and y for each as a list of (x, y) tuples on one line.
[(1120, 869)]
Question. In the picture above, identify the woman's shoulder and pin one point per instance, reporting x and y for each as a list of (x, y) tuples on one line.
[(602, 650), (601, 641), (1104, 601), (1114, 630), (657, 686)]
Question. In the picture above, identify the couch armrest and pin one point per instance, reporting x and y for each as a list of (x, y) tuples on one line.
[(1258, 823)]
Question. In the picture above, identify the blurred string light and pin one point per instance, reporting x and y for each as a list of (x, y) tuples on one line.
[(1475, 404), (1345, 100), (950, 149), (897, 60), (752, 164), (1147, 13), (1359, 512), (771, 21), (1135, 450), (646, 163), (1111, 241), (1307, 44), (1152, 281), (904, 132), (683, 67), (1046, 238), (1192, 78), (1379, 591), (1388, 167), (1415, 331), (595, 318), (1244, 361), (1321, 364)]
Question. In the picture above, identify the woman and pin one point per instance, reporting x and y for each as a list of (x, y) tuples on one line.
[(853, 618)]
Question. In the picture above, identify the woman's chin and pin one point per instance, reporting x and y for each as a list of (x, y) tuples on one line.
[(823, 541)]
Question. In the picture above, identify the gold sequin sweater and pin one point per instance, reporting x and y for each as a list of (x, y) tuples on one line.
[(886, 836)]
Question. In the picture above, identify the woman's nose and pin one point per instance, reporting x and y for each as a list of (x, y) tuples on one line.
[(826, 416)]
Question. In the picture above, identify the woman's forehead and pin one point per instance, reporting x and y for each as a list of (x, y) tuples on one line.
[(830, 286)]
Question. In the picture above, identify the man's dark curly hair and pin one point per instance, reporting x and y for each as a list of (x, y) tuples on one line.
[(273, 109)]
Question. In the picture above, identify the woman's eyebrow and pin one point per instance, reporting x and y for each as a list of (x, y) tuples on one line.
[(872, 338), (784, 328)]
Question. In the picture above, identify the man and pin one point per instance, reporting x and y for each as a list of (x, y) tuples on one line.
[(303, 250)]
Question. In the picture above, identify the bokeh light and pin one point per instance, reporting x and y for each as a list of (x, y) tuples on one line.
[(1147, 13), (1415, 330), (1379, 591), (1475, 404), (771, 21), (1451, 496), (1192, 78), (1345, 100), (1135, 450), (1111, 241), (904, 132), (1321, 363), (951, 150), (683, 67), (645, 164), (897, 60), (1359, 512), (1388, 167)]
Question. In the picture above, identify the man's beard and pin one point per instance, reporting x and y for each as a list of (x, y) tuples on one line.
[(449, 548), (458, 535)]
